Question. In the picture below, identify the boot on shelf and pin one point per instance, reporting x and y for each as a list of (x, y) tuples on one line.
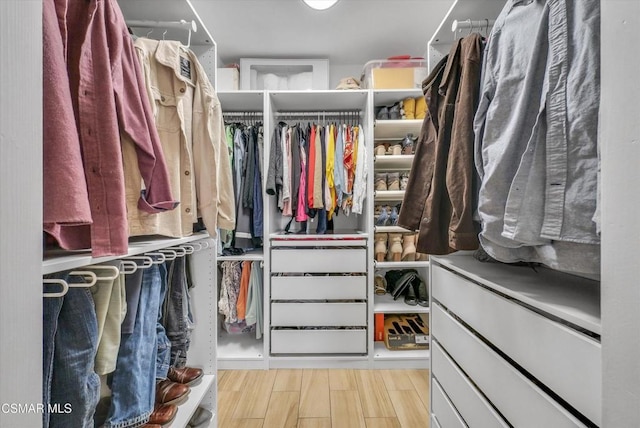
[(395, 150), (404, 180), (383, 218), (421, 257), (419, 286), (381, 181), (380, 247), (393, 181), (409, 248), (409, 107), (395, 247), (380, 150), (421, 108)]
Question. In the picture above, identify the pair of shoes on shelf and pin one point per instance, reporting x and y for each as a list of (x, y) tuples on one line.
[(416, 293), (162, 416), (414, 108), (170, 392), (200, 419), (388, 216), (408, 144), (387, 181), (185, 375)]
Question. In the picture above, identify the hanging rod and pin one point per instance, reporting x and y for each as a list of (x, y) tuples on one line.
[(164, 24), (317, 113), (242, 113), (460, 25)]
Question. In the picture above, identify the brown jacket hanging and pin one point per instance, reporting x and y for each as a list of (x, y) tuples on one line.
[(439, 199)]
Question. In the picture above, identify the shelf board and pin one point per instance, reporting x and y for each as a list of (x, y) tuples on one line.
[(254, 255), (393, 162), (386, 305), (568, 297), (149, 10), (392, 229), (387, 97), (241, 101), (401, 265), (396, 129), (243, 346), (188, 408), (59, 260), (380, 352), (331, 100), (388, 195)]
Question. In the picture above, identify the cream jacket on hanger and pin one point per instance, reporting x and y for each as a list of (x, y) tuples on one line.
[(190, 124)]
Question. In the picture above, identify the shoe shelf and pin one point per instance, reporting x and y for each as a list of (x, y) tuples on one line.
[(253, 255), (187, 409), (396, 129), (393, 162), (388, 195), (384, 304), (391, 229), (387, 97), (382, 353), (401, 265)]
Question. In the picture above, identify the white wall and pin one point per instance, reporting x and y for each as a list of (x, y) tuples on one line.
[(620, 140), (21, 210)]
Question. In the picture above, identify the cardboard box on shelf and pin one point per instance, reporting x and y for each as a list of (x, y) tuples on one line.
[(406, 331)]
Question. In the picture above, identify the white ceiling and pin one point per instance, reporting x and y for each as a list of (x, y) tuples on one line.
[(351, 32)]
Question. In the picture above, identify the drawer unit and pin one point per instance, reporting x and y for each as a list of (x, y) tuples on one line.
[(319, 260), (567, 361), (318, 287), (325, 341), (443, 409), (318, 314), (521, 402), (470, 403)]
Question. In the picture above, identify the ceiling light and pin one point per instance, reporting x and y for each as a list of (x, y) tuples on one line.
[(320, 4)]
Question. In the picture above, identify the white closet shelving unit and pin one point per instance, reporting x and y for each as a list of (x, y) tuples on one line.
[(21, 253), (392, 132), (244, 351), (298, 342), (552, 341)]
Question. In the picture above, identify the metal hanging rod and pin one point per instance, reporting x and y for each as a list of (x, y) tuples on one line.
[(316, 114), (243, 113), (187, 25), (479, 24)]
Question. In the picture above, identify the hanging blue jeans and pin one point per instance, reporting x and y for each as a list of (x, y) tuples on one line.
[(133, 383), (164, 344), (176, 316), (70, 343)]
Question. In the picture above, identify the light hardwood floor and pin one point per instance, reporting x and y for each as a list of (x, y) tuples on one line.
[(313, 398)]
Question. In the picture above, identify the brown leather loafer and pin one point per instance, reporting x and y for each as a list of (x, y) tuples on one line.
[(151, 426), (169, 392), (163, 414), (185, 375)]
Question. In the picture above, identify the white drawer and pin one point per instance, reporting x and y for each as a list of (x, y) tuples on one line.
[(471, 405), (565, 360), (521, 402), (318, 287), (318, 314), (311, 260), (319, 341), (442, 408)]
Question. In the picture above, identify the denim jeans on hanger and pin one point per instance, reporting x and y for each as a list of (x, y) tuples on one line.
[(321, 229), (163, 358), (70, 343), (176, 316), (134, 381)]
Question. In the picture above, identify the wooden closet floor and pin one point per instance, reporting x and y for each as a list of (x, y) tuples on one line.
[(312, 398)]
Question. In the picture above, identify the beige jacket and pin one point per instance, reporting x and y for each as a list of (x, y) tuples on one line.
[(189, 121)]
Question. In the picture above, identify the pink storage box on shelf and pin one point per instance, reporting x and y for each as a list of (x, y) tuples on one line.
[(402, 72)]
